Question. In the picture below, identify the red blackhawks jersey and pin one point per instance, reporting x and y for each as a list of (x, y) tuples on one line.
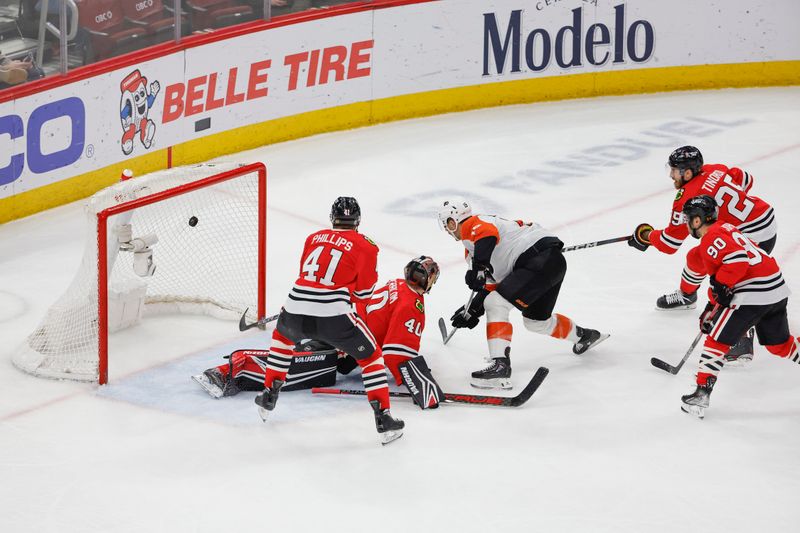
[(396, 317), (735, 261), (338, 268), (754, 218)]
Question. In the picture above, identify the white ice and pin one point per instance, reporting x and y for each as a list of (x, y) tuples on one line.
[(602, 447)]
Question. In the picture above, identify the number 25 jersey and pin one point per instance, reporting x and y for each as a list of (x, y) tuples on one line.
[(338, 268)]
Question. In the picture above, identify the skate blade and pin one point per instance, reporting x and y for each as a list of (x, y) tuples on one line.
[(263, 413), (389, 437), (739, 362), (212, 390), (679, 308), (497, 383), (603, 336), (694, 410)]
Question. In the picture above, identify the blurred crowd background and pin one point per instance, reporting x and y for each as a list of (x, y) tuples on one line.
[(49, 37)]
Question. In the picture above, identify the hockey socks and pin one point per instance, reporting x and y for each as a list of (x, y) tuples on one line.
[(557, 326), (373, 374), (279, 359), (711, 360)]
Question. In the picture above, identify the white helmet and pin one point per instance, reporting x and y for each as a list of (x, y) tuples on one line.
[(458, 210)]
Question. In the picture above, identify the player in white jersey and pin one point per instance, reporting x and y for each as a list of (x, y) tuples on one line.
[(512, 264)]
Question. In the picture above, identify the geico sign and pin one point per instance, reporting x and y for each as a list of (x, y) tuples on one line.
[(14, 129), (570, 46)]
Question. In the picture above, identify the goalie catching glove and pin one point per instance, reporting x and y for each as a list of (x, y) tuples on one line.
[(641, 237), (418, 379)]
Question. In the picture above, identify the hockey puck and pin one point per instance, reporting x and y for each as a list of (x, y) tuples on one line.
[(193, 221)]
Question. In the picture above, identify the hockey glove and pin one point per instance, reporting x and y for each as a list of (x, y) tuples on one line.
[(707, 318), (721, 293), (475, 278), (638, 240)]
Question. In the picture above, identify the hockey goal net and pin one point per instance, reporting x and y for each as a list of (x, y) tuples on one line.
[(187, 240)]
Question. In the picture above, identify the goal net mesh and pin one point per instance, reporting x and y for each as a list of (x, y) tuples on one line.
[(205, 256)]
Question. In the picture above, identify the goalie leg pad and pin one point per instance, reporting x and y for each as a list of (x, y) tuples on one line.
[(418, 379)]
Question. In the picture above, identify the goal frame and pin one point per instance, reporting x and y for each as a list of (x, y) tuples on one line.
[(102, 245)]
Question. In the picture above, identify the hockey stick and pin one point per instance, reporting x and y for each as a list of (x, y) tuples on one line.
[(261, 324), (663, 365), (474, 399), (595, 243), (443, 328)]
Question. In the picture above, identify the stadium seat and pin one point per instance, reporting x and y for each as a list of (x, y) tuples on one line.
[(110, 33), (218, 13)]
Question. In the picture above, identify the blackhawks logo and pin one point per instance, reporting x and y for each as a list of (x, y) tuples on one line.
[(679, 195), (420, 307), (369, 240)]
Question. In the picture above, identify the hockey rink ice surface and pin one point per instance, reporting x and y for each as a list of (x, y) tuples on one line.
[(601, 447)]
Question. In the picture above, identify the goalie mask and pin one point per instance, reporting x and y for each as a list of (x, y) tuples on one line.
[(422, 272)]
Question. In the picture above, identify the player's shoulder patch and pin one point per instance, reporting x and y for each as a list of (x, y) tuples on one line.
[(420, 307), (679, 195), (369, 240)]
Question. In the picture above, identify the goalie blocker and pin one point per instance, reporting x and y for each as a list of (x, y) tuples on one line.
[(313, 365), (419, 381)]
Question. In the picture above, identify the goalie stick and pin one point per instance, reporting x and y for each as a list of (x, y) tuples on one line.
[(663, 365), (474, 399), (261, 324)]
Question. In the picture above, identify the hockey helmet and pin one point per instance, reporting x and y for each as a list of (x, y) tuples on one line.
[(702, 206), (458, 210), (422, 272), (345, 211), (686, 157)]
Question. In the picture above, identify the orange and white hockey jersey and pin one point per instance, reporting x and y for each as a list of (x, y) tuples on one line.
[(736, 262), (338, 268), (729, 187), (513, 238)]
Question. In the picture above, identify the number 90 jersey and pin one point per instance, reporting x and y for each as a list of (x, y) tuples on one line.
[(751, 215), (736, 262), (338, 268)]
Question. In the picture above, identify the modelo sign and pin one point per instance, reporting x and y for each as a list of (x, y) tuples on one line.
[(595, 46), (33, 130)]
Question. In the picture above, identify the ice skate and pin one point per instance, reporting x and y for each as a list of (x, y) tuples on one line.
[(495, 376), (266, 400), (389, 428), (588, 338), (742, 352), (696, 402), (216, 384), (676, 301)]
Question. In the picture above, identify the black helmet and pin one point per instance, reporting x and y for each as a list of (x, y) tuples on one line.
[(686, 157), (702, 206), (422, 272), (345, 212)]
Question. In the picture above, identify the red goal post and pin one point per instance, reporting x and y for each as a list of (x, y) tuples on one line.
[(186, 240)]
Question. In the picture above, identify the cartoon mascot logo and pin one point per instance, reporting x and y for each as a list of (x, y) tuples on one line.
[(135, 103)]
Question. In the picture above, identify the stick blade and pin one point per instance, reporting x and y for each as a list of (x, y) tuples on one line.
[(532, 386), (443, 330), (663, 365)]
